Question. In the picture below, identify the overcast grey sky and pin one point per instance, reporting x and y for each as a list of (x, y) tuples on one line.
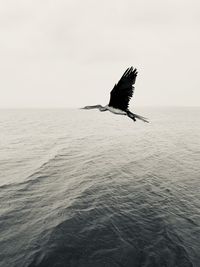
[(65, 53)]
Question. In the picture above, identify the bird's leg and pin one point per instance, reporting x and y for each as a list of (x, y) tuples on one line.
[(130, 115)]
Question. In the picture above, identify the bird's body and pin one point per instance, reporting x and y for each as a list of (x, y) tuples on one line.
[(121, 95), (116, 110)]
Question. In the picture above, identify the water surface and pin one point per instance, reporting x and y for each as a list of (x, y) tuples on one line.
[(84, 188)]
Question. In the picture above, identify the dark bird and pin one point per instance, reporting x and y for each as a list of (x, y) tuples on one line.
[(121, 95)]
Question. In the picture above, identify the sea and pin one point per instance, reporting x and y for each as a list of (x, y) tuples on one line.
[(83, 188)]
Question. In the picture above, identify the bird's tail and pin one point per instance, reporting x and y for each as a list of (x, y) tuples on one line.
[(134, 116)]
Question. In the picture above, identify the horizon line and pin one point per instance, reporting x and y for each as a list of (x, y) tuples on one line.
[(78, 107)]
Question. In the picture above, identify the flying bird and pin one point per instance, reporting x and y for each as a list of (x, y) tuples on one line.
[(120, 96)]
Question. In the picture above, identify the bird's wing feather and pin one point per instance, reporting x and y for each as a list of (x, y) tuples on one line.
[(123, 90)]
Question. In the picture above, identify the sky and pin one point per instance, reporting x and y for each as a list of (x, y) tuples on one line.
[(70, 53)]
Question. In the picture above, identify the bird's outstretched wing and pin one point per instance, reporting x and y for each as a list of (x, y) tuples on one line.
[(123, 90)]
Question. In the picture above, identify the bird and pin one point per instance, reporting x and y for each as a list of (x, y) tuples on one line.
[(121, 95)]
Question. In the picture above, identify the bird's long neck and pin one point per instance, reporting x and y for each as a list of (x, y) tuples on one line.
[(101, 108)]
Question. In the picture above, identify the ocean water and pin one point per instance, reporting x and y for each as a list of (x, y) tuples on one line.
[(84, 188)]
